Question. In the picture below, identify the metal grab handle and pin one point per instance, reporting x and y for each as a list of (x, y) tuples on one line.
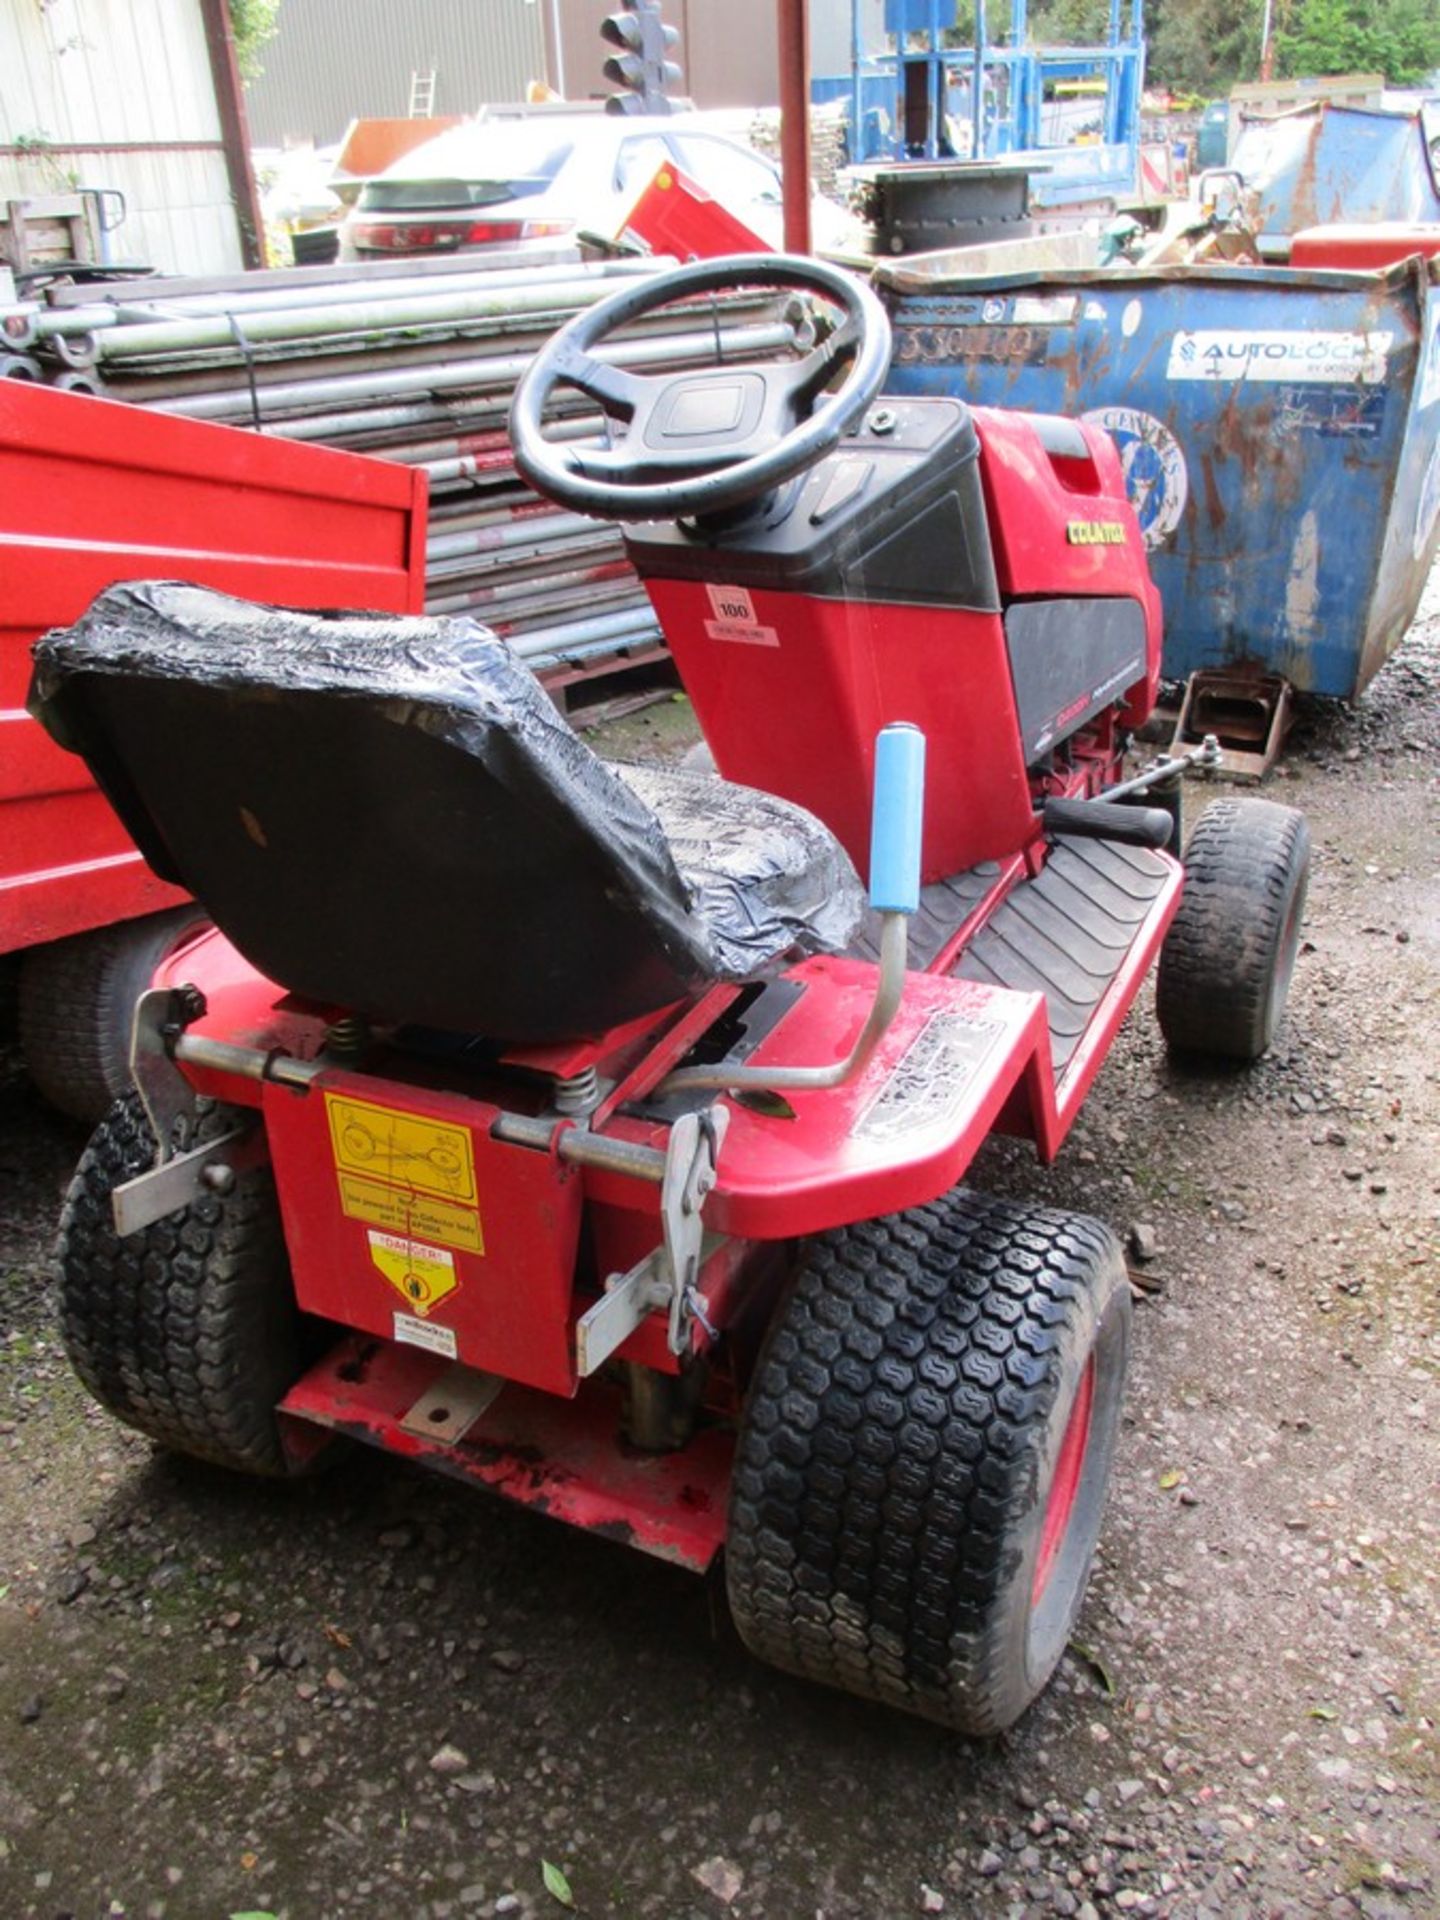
[(895, 836)]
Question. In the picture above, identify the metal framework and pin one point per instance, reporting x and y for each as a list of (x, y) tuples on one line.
[(1001, 97)]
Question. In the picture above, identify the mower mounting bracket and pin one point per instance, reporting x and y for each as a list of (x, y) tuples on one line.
[(669, 1277), (182, 1172), (161, 1016), (182, 1178)]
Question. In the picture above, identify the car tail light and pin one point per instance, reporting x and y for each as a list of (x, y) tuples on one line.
[(417, 237), (489, 233)]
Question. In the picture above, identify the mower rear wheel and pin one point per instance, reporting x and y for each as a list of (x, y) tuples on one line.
[(77, 1000), (188, 1330), (924, 1456), (1227, 961)]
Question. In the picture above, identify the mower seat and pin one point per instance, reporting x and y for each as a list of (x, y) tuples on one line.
[(388, 816)]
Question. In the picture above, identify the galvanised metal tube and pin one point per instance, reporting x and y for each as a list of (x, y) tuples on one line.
[(524, 294), (123, 309), (593, 602), (580, 1147), (507, 596), (489, 374), (443, 575), (178, 306), (521, 616), (537, 529), (618, 653), (609, 626), (362, 319), (171, 376), (557, 585)]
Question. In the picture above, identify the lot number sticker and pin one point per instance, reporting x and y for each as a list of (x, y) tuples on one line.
[(735, 619)]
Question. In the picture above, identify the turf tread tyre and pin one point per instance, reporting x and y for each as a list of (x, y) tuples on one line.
[(896, 1449), (1227, 960), (77, 998), (188, 1330)]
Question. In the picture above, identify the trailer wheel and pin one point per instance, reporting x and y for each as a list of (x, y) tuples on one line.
[(77, 998), (188, 1330), (923, 1460), (1227, 961)]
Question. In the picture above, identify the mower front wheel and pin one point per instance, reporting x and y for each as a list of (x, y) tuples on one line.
[(1227, 961), (188, 1330), (924, 1456)]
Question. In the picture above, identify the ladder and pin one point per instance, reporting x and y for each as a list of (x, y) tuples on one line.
[(422, 94)]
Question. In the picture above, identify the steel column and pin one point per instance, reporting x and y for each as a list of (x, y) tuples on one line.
[(793, 28)]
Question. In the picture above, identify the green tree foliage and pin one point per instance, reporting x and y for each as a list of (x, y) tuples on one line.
[(1205, 46), (253, 23), (1399, 38)]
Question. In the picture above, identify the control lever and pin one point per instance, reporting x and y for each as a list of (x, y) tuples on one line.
[(895, 834)]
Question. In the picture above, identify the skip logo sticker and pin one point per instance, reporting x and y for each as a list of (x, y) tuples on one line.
[(1095, 533), (1156, 477), (1280, 355)]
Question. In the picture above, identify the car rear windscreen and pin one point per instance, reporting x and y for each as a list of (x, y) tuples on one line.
[(470, 172)]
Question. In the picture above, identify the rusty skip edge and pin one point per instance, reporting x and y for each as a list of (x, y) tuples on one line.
[(902, 284)]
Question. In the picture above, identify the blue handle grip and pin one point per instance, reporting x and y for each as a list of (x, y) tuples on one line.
[(898, 819)]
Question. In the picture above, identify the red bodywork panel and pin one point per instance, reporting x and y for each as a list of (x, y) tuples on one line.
[(1369, 248), (405, 1218), (901, 1133), (675, 216), (1063, 527), (849, 668), (94, 492)]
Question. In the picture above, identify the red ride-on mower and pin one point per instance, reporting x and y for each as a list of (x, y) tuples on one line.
[(577, 1130)]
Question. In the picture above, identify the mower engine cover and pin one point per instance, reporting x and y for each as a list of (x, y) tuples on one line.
[(388, 816)]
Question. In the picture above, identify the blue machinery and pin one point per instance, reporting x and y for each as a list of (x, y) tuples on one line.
[(1074, 112)]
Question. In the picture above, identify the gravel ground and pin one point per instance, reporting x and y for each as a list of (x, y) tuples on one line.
[(378, 1694)]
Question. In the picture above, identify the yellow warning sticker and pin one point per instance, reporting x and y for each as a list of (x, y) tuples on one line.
[(411, 1213), (424, 1275), (404, 1149)]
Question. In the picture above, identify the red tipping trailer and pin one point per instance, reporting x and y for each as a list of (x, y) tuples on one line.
[(94, 493)]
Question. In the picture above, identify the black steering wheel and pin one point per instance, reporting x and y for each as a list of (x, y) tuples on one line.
[(708, 438)]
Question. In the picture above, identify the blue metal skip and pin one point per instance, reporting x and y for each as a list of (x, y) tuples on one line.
[(1324, 163), (1280, 432)]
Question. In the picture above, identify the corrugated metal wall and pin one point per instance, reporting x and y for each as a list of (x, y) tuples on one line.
[(330, 63), (128, 83)]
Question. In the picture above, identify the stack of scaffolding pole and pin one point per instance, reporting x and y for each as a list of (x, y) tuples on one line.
[(415, 363)]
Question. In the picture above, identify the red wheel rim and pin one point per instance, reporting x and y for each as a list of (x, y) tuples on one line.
[(1069, 1471)]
